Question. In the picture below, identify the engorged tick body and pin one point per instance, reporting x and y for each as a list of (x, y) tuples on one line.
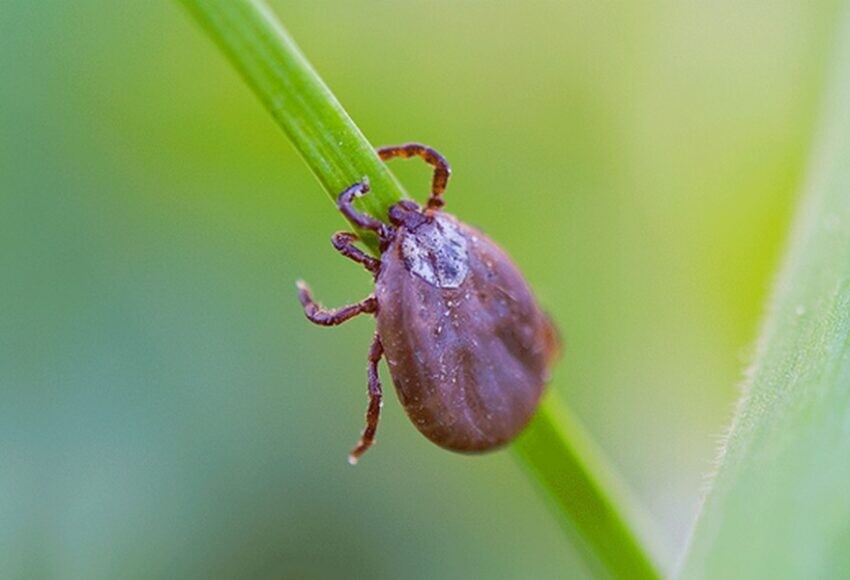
[(467, 345)]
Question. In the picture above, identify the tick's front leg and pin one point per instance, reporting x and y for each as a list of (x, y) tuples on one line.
[(442, 170), (318, 315), (344, 244), (345, 203), (373, 413)]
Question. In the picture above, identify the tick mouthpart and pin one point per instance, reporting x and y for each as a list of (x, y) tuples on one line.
[(406, 213)]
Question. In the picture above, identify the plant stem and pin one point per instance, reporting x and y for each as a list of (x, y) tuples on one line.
[(322, 132), (596, 509), (780, 506), (559, 453)]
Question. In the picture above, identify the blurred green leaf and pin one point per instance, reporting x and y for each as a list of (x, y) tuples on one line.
[(779, 506), (556, 449)]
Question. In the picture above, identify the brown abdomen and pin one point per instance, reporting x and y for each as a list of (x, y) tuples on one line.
[(469, 361)]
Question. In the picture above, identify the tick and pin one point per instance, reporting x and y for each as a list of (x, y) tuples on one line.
[(467, 345)]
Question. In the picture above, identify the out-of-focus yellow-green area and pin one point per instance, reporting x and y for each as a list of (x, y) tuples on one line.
[(165, 409)]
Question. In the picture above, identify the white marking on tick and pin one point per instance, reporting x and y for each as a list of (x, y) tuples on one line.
[(436, 252)]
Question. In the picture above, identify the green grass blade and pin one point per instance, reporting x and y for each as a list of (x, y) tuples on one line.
[(780, 503), (557, 451), (596, 510), (322, 132)]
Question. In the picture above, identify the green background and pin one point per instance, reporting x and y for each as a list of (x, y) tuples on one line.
[(165, 409)]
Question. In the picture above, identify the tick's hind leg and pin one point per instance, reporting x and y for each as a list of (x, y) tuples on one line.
[(442, 171), (344, 244), (318, 315), (376, 351)]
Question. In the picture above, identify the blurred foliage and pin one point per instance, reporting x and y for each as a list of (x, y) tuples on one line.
[(779, 506), (166, 411)]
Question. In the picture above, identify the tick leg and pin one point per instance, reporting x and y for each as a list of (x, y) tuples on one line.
[(361, 220), (318, 315), (442, 171), (374, 410), (344, 243)]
